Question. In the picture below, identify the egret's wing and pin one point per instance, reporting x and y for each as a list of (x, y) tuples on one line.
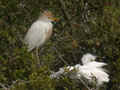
[(100, 75), (35, 35), (95, 64), (94, 70), (90, 72)]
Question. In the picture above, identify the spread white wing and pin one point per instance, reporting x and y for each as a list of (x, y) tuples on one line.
[(94, 70), (91, 70)]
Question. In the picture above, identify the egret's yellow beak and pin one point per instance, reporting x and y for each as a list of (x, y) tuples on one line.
[(54, 19)]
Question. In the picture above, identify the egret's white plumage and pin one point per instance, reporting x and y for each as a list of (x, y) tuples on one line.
[(40, 31), (88, 58), (36, 36), (90, 70)]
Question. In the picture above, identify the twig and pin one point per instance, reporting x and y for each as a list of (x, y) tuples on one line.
[(3, 86), (60, 56), (83, 82), (64, 9), (12, 85), (66, 14)]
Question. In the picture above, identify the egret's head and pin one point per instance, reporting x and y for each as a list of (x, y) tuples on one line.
[(48, 16)]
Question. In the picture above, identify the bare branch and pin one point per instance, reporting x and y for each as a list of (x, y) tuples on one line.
[(12, 85), (64, 9), (3, 86), (66, 14), (83, 82), (60, 56)]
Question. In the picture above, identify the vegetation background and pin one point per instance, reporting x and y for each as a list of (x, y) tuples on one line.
[(85, 26)]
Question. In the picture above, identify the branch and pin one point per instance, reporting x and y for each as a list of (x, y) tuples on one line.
[(83, 82), (3, 86), (12, 85), (60, 56), (64, 10), (66, 14)]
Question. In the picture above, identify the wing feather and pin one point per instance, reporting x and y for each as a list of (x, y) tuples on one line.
[(35, 35)]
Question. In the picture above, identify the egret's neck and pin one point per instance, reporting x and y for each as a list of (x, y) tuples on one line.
[(45, 19)]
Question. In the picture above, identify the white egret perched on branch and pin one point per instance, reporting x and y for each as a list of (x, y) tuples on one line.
[(40, 31), (91, 70)]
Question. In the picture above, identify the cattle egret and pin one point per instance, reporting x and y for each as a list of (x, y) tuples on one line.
[(40, 31)]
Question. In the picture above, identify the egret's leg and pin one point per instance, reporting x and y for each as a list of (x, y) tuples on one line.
[(37, 55), (41, 52), (32, 55), (97, 88)]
